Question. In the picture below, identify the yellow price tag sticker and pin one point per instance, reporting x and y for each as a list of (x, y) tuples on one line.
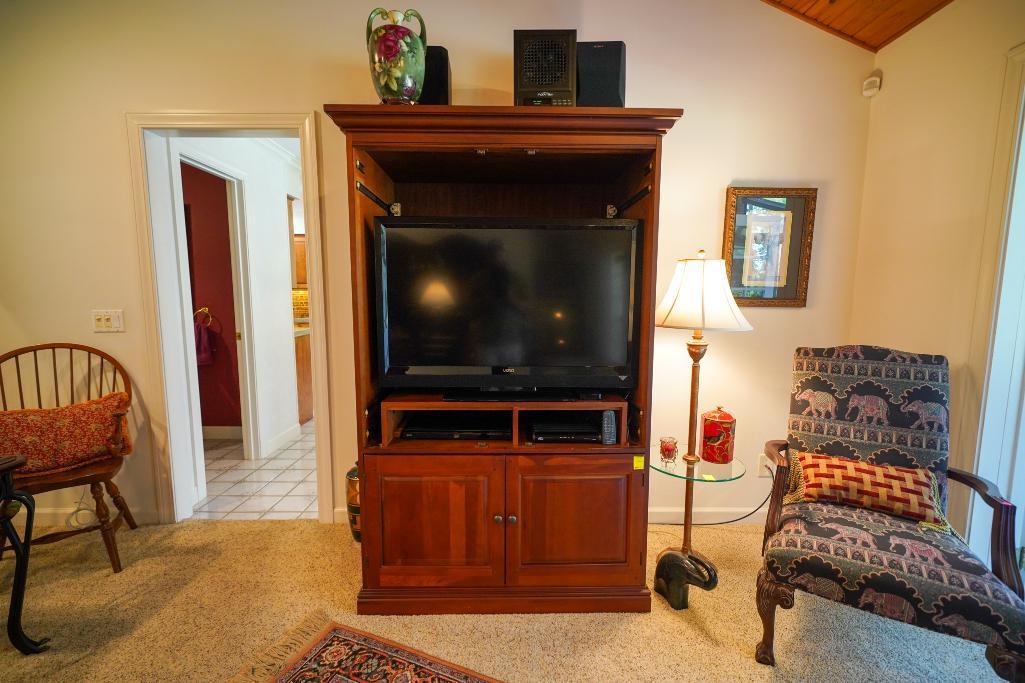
[(638, 462), (708, 477)]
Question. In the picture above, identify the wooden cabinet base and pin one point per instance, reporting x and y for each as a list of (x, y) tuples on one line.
[(502, 601)]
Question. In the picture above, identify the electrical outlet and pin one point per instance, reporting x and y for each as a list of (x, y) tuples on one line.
[(108, 320), (763, 463)]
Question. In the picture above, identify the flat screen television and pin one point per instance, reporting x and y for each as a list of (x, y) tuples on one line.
[(495, 304)]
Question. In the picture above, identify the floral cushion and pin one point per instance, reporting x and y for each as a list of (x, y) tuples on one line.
[(894, 568), (56, 439)]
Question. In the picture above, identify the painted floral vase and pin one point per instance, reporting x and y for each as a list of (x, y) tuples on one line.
[(718, 430), (352, 501), (396, 56)]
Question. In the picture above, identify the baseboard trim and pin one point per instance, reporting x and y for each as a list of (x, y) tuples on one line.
[(58, 516), (50, 517), (219, 432), (281, 440), (704, 515)]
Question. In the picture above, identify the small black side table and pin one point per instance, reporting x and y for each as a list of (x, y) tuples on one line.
[(9, 505)]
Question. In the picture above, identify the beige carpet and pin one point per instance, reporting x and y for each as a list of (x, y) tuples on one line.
[(198, 600)]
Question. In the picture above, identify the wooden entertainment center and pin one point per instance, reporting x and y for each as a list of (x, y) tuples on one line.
[(490, 526)]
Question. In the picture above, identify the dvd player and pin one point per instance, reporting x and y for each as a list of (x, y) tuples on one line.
[(458, 425), (554, 427)]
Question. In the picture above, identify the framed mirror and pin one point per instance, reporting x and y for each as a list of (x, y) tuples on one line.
[(767, 244)]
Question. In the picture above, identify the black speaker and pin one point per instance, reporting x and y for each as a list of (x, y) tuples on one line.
[(601, 74), (437, 77), (545, 67)]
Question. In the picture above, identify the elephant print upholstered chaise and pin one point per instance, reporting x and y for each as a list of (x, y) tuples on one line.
[(871, 409)]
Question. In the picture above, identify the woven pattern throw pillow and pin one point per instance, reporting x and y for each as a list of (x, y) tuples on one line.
[(57, 439), (909, 492)]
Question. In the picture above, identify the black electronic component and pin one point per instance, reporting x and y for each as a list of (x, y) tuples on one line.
[(601, 74), (545, 64), (437, 77)]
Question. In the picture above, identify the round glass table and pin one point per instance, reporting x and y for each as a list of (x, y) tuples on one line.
[(682, 567), (703, 471)]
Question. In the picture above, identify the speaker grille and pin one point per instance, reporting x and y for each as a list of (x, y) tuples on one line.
[(545, 62)]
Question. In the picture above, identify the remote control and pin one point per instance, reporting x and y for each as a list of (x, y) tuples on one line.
[(608, 427)]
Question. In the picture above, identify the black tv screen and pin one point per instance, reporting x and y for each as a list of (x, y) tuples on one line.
[(494, 304)]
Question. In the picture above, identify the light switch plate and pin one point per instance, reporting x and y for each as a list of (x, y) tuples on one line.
[(108, 320)]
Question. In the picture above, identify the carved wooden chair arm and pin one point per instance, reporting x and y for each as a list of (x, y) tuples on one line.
[(1005, 564), (776, 452), (989, 491)]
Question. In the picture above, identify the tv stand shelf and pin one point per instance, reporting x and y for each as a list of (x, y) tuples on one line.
[(396, 406)]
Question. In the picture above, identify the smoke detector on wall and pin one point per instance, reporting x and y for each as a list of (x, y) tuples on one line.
[(873, 84)]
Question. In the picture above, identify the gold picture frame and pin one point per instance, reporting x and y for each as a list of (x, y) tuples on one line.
[(767, 239)]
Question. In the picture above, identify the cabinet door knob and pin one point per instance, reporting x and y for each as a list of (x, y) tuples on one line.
[(498, 519), (512, 519)]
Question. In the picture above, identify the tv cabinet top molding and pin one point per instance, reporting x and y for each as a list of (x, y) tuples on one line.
[(355, 118)]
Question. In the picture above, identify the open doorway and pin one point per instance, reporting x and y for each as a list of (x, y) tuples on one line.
[(276, 478), (237, 333)]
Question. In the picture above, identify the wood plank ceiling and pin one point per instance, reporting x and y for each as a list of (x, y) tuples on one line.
[(870, 24)]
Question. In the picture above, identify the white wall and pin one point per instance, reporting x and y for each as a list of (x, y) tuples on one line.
[(268, 175), (768, 100), (925, 272)]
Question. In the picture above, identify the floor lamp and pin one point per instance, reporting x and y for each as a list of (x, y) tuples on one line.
[(699, 298)]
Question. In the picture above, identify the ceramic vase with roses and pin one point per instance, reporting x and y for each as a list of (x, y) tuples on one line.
[(396, 56)]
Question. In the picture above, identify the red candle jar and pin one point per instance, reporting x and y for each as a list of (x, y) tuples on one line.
[(718, 429)]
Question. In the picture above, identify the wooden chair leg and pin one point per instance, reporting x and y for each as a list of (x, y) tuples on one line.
[(1008, 665), (103, 515), (769, 595), (119, 502)]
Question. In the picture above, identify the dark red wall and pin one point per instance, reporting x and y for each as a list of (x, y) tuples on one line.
[(209, 243)]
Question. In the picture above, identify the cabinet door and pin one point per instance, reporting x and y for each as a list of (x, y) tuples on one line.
[(429, 520), (299, 261), (304, 378), (579, 520)]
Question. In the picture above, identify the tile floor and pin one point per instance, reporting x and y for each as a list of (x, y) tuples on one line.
[(283, 486)]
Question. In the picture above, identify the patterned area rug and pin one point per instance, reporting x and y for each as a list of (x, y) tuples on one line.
[(322, 650)]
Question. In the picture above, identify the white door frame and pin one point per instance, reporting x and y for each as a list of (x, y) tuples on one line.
[(998, 336), (238, 240), (166, 436)]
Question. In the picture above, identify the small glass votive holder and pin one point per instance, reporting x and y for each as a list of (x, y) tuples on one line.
[(668, 449)]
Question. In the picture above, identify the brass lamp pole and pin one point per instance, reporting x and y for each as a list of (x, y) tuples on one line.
[(699, 298), (696, 347)]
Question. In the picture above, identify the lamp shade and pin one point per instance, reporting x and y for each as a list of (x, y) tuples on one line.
[(699, 298)]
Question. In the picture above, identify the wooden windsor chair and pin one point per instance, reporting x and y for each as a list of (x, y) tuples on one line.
[(63, 374)]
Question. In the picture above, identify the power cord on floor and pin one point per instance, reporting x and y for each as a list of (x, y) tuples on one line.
[(772, 473), (74, 520)]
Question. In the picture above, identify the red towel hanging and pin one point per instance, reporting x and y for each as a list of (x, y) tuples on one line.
[(204, 345)]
